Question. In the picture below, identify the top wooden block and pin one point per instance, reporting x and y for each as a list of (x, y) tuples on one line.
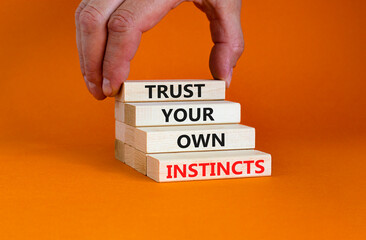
[(171, 90)]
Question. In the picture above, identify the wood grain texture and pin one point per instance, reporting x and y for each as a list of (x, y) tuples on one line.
[(119, 150), (171, 90), (119, 111), (130, 156), (188, 166), (177, 113), (187, 138)]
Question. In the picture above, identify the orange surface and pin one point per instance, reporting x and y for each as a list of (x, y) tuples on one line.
[(301, 82)]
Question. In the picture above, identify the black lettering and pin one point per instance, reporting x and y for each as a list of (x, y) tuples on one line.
[(207, 113), (150, 87), (197, 117), (179, 141), (216, 138), (189, 91), (162, 91), (179, 91), (167, 114), (197, 142), (199, 88), (184, 117)]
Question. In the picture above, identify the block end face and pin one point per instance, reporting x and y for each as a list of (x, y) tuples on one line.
[(119, 150), (119, 111), (152, 168)]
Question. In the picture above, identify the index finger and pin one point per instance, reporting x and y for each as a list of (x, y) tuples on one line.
[(125, 28)]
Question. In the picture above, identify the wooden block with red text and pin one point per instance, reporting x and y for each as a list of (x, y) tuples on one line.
[(171, 90), (177, 113), (188, 166), (187, 138)]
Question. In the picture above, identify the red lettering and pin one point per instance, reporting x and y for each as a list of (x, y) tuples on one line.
[(221, 167), (191, 169), (183, 172), (204, 165), (257, 164), (169, 171), (248, 165), (233, 168), (212, 169)]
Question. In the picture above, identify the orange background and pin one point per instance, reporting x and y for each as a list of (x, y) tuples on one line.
[(301, 83)]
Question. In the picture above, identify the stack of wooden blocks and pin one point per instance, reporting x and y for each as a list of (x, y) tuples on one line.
[(180, 130)]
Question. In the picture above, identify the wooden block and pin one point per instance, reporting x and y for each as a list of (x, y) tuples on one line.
[(119, 150), (187, 138), (140, 161), (130, 156), (177, 113), (129, 135), (168, 167), (119, 111), (171, 90)]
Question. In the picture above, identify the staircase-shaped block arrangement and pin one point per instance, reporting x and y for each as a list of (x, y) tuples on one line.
[(183, 130)]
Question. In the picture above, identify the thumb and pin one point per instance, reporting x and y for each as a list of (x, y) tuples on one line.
[(226, 33)]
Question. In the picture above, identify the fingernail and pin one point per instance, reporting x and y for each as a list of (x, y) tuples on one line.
[(86, 82), (92, 88), (228, 79), (107, 88)]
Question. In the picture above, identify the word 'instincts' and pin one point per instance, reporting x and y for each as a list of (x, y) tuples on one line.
[(167, 91), (209, 169)]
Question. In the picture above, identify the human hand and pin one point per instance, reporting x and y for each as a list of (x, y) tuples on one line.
[(108, 33)]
